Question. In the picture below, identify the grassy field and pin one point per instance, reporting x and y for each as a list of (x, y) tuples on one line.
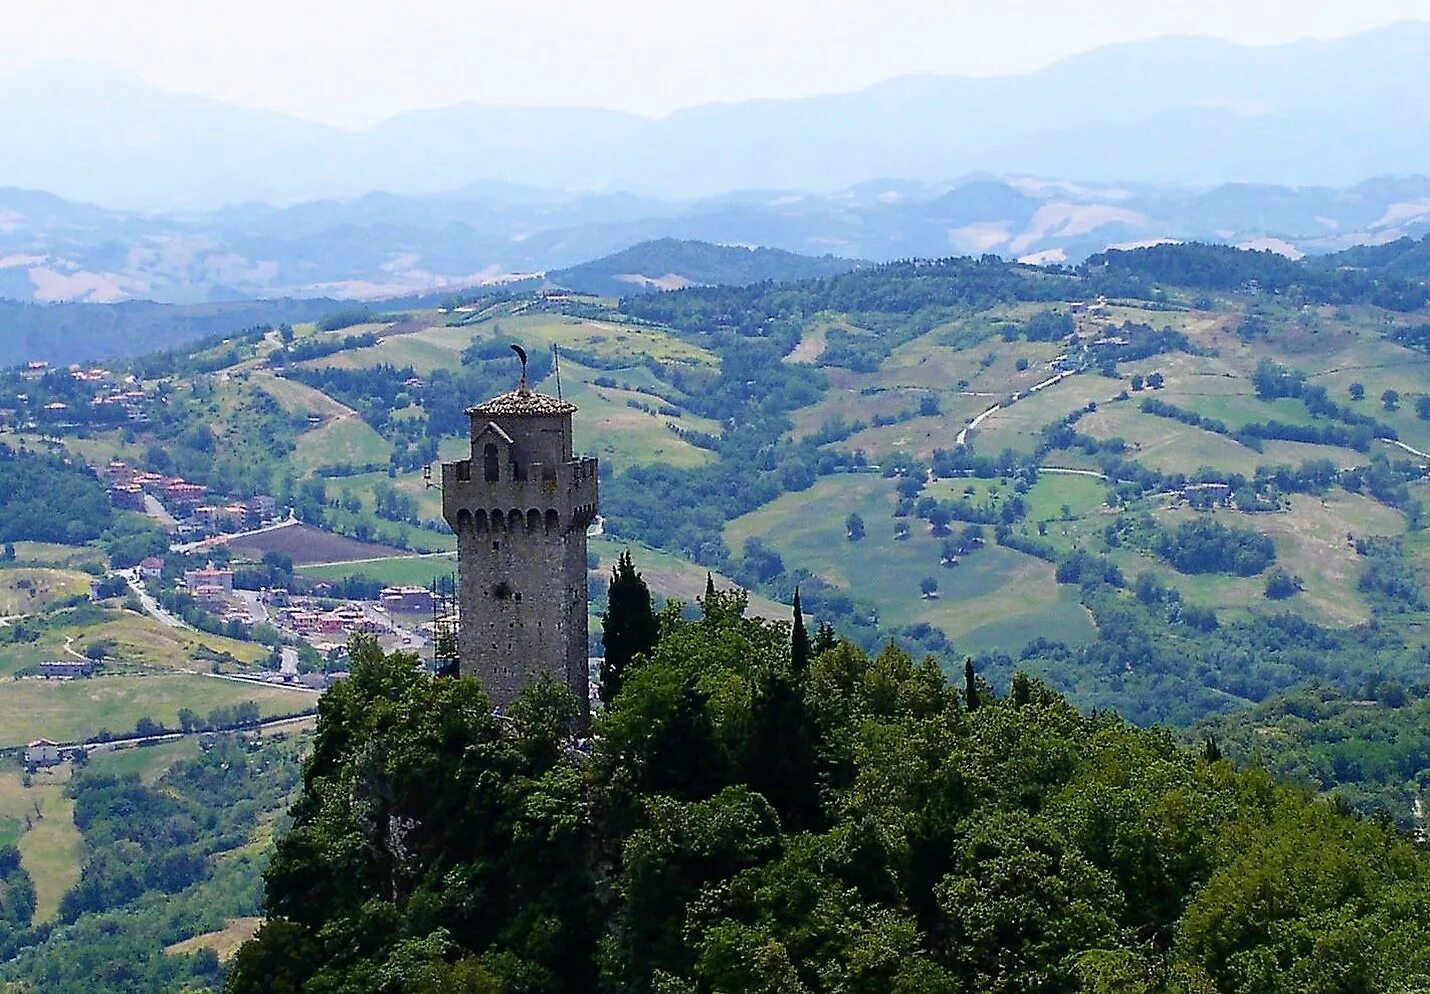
[(24, 590), (1081, 495), (141, 643), (919, 436), (609, 428), (224, 941), (48, 841), (994, 594), (343, 439), (149, 762), (52, 554), (623, 343), (1173, 447), (1312, 543), (846, 400), (965, 381), (1310, 538), (1017, 427), (70, 710), (299, 398), (97, 450), (395, 571)]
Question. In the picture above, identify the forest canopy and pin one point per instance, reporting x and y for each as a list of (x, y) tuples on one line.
[(49, 499), (755, 819)]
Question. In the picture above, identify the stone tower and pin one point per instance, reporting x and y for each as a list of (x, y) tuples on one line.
[(520, 506)]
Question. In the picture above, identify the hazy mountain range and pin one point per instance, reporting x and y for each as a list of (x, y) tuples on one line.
[(1178, 138), (1178, 110), (383, 244)]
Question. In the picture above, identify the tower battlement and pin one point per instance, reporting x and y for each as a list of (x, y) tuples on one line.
[(520, 506)]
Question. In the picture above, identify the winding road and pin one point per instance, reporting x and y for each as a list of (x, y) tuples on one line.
[(1408, 448), (962, 437)]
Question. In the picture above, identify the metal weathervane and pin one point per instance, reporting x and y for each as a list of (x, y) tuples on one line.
[(521, 354)]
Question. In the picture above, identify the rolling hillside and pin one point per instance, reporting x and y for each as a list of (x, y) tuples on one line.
[(1171, 499)]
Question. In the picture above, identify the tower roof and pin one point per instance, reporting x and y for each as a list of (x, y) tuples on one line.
[(522, 402)]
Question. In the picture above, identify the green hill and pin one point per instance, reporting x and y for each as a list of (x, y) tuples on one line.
[(670, 264)]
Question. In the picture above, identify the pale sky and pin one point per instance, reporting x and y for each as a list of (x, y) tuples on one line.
[(352, 62)]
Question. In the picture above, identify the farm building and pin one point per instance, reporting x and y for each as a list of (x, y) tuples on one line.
[(66, 669), (42, 752)]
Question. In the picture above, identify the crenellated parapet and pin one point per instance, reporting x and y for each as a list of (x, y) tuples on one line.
[(569, 489)]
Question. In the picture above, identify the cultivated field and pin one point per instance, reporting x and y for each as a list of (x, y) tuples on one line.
[(307, 544)]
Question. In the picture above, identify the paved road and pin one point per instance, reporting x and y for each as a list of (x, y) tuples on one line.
[(253, 601), (150, 604), (1408, 448), (962, 438), (1066, 471)]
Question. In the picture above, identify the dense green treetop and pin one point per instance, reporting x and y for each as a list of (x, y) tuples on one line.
[(743, 826), (49, 498)]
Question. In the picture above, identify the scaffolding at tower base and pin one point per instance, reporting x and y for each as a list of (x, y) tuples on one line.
[(446, 660)]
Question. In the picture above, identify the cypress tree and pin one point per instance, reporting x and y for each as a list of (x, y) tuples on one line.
[(1022, 688), (709, 585), (799, 645), (824, 639), (1211, 752), (782, 758), (628, 628), (970, 684)]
